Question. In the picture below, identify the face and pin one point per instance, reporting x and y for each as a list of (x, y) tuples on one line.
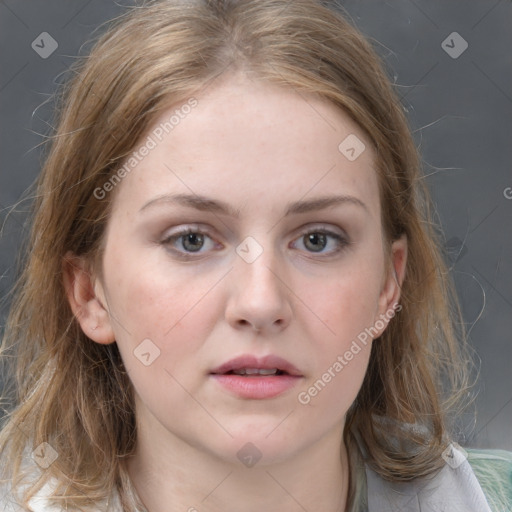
[(246, 231)]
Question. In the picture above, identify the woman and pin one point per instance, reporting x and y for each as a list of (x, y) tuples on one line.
[(235, 298)]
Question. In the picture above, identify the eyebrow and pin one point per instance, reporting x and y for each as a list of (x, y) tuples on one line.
[(203, 203)]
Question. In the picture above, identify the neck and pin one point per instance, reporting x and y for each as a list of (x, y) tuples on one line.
[(170, 474)]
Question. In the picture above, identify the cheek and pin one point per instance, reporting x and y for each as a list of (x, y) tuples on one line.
[(346, 303), (176, 318), (348, 306), (341, 364), (174, 311)]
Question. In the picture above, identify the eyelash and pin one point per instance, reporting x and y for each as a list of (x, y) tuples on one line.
[(341, 241)]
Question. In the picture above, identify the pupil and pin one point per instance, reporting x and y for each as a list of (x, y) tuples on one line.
[(192, 241), (317, 239)]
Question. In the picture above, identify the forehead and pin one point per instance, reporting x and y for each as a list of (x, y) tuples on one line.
[(253, 142)]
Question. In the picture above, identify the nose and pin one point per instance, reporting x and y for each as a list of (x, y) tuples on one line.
[(260, 297)]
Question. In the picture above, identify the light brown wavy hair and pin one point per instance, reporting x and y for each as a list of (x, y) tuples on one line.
[(73, 393)]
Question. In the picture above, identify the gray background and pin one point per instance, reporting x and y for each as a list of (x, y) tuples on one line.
[(460, 110)]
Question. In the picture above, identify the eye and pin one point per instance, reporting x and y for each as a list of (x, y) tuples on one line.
[(322, 241), (189, 241)]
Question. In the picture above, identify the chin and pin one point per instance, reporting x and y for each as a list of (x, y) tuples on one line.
[(252, 448)]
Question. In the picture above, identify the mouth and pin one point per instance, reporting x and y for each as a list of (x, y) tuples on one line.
[(252, 366), (250, 377), (256, 372)]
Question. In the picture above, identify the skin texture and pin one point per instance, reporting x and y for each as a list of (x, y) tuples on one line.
[(258, 148)]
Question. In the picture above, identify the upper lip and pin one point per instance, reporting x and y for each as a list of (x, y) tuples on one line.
[(262, 363)]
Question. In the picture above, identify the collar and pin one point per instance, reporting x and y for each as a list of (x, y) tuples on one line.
[(454, 488)]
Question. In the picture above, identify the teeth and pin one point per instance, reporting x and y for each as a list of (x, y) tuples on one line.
[(255, 371)]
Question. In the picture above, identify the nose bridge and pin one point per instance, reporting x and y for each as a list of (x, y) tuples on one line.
[(258, 266), (259, 296)]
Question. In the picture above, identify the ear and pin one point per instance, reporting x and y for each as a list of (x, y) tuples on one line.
[(86, 298), (390, 294)]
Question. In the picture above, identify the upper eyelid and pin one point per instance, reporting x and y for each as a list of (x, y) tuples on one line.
[(186, 230), (197, 228), (342, 238)]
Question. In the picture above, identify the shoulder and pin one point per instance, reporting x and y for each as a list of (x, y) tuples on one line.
[(41, 501), (469, 481), (493, 470), (7, 501)]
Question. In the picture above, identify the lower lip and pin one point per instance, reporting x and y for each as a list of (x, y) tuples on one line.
[(257, 387)]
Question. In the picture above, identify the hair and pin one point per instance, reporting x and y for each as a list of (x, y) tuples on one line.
[(74, 393)]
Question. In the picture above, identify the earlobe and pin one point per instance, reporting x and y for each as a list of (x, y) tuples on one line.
[(83, 299)]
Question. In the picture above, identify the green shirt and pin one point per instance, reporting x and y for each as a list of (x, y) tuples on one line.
[(493, 470)]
